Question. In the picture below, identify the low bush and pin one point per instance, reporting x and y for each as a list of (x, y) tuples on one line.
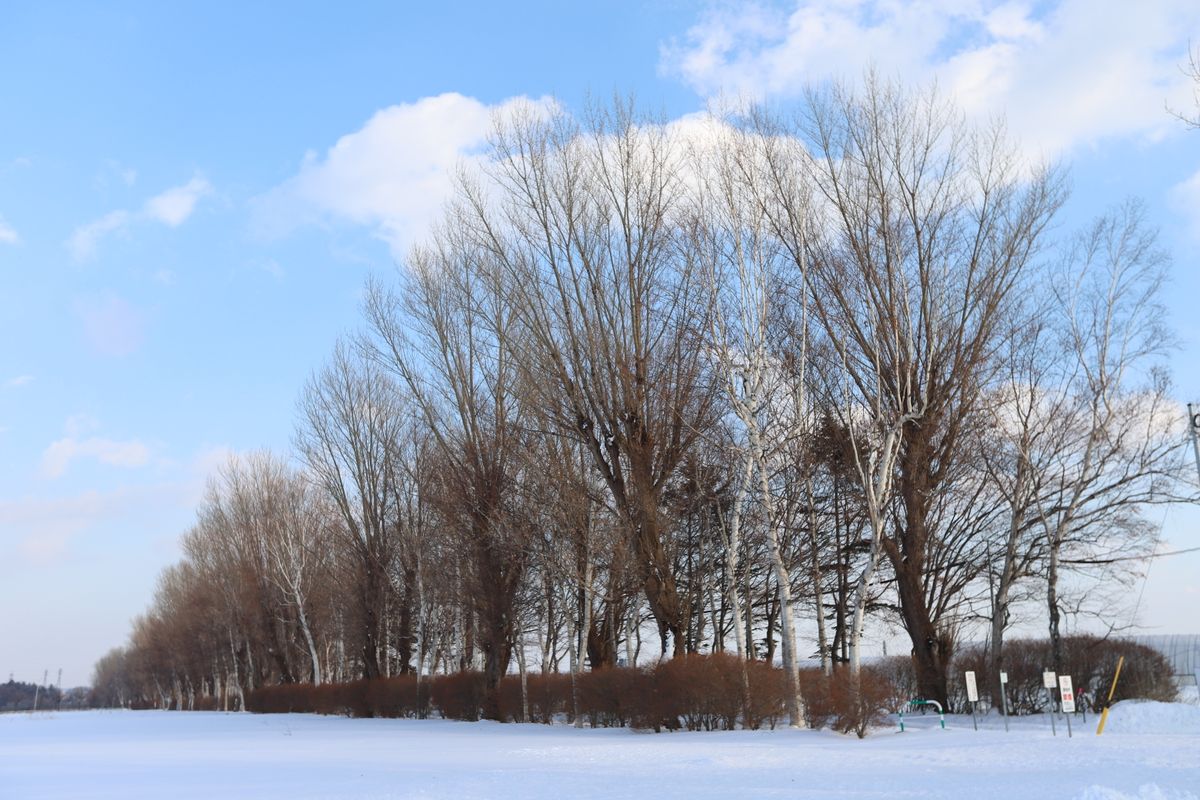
[(693, 692), (856, 709), (614, 697), (383, 697), (833, 701), (459, 695), (816, 692), (768, 695), (205, 703), (702, 692), (400, 696), (549, 694), (900, 673), (1089, 660)]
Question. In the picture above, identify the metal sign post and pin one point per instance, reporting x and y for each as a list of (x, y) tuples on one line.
[(1068, 699), (972, 696), (1050, 681), (1004, 697)]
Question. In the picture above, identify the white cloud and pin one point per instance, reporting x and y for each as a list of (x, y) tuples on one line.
[(84, 239), (174, 206), (171, 208), (115, 169), (41, 530), (79, 424), (274, 269), (59, 455), (1065, 74), (18, 381), (111, 326), (393, 174), (7, 234)]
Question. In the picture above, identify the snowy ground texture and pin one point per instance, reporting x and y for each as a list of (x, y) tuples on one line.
[(1150, 751)]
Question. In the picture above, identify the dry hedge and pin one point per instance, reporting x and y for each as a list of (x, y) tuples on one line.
[(694, 692), (1089, 660)]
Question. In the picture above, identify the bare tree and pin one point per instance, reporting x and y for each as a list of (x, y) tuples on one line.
[(925, 229), (741, 260), (609, 310), (1191, 69), (351, 420), (446, 335), (1029, 419), (1123, 447)]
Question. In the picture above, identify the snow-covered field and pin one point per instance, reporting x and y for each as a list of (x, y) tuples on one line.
[(1150, 752)]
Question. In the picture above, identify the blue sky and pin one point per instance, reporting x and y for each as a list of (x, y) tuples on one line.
[(191, 198)]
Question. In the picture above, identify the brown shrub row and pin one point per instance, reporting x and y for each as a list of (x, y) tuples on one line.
[(696, 692), (384, 697), (832, 701)]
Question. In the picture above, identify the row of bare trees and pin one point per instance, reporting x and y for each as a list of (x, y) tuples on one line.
[(732, 382)]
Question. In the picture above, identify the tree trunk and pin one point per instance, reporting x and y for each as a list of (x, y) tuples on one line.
[(860, 605), (1000, 606), (658, 582), (520, 648), (308, 639), (929, 660), (370, 629), (733, 544), (1052, 602)]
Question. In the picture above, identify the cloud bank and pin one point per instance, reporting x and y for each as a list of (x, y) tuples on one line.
[(1065, 74), (60, 454), (393, 174), (171, 208), (7, 234)]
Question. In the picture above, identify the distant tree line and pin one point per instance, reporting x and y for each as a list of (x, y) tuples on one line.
[(652, 389), (18, 696)]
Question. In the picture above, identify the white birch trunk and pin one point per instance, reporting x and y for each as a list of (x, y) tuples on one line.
[(787, 633), (308, 639)]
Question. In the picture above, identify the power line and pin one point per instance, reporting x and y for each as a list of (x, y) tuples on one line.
[(1129, 558)]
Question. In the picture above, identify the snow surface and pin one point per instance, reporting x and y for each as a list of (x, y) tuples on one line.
[(1148, 716), (1149, 752)]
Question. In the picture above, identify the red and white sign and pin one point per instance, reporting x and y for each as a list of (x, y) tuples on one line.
[(1067, 694)]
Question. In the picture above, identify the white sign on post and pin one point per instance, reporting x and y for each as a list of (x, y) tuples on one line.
[(972, 690), (1067, 694), (1004, 677), (1048, 680)]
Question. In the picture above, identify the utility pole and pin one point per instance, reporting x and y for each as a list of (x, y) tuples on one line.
[(37, 690)]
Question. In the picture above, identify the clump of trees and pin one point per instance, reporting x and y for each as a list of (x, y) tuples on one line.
[(1091, 662), (652, 390)]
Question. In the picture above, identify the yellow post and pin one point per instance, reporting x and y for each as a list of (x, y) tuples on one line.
[(1112, 690)]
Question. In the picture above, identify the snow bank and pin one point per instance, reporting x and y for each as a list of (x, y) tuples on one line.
[(139, 755), (1149, 791), (1149, 716)]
